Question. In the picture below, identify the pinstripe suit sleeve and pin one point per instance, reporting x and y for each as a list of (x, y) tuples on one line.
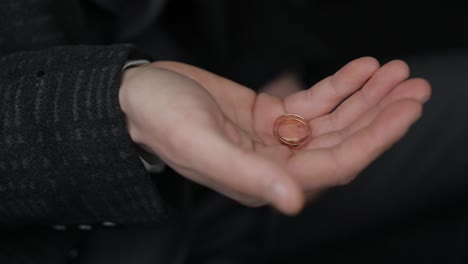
[(65, 155)]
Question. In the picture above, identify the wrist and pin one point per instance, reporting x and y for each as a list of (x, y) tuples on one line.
[(132, 82), (124, 93), (132, 85), (128, 71)]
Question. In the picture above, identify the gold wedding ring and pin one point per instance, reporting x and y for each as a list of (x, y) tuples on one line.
[(295, 120)]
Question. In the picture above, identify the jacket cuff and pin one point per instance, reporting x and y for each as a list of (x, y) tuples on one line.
[(66, 157)]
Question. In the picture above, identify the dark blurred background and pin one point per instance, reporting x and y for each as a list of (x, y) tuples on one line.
[(253, 41)]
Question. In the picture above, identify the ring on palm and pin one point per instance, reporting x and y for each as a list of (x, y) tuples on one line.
[(291, 130)]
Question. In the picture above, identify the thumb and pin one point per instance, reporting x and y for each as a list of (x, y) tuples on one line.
[(247, 177), (260, 177)]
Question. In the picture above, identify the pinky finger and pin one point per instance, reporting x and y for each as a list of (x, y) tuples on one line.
[(362, 148)]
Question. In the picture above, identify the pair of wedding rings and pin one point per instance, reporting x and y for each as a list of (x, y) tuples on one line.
[(301, 126)]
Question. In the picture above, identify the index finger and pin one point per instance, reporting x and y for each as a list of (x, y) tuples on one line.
[(324, 96)]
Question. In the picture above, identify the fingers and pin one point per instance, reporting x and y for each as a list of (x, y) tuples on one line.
[(416, 89), (383, 81), (323, 97), (284, 85), (341, 163)]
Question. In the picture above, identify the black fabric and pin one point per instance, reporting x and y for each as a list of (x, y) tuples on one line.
[(66, 159), (35, 245), (27, 25), (66, 155), (132, 17)]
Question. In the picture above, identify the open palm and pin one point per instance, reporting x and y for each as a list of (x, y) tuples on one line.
[(226, 142)]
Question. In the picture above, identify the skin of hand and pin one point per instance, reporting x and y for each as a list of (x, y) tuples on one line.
[(283, 85), (219, 133)]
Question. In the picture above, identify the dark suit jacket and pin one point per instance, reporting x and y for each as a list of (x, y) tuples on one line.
[(66, 159)]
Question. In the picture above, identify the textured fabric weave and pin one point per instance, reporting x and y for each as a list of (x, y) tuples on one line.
[(66, 157)]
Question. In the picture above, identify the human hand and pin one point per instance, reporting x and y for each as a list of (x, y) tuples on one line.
[(283, 85), (219, 133)]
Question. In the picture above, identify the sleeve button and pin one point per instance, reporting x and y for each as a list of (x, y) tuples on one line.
[(59, 227), (109, 224), (85, 227)]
